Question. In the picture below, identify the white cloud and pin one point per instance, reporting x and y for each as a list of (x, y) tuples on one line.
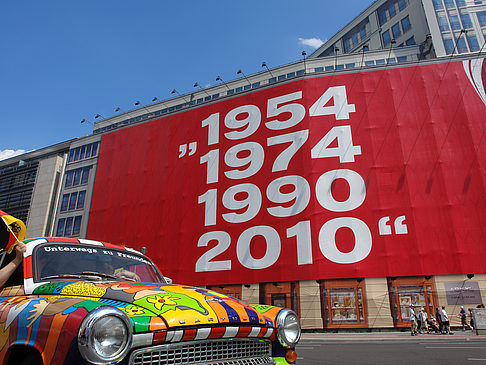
[(311, 42), (4, 154)]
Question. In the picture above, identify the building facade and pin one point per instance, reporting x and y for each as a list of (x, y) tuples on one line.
[(346, 185)]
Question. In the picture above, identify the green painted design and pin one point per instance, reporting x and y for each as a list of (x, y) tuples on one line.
[(140, 324), (281, 361), (162, 303), (49, 288), (89, 305), (262, 308)]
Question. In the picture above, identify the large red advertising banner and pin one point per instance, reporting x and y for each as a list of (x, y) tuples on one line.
[(368, 174)]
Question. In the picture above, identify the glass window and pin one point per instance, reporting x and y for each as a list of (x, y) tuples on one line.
[(76, 225), (82, 152), (466, 21), (69, 226), (300, 72), (71, 155), (207, 98), (362, 34), (72, 201), (380, 62), (88, 150), (369, 63), (406, 26), (482, 18), (349, 65), (449, 45), (64, 203), (382, 17), (402, 59), (473, 43), (438, 4), (339, 67), (443, 24), (94, 149), (239, 89), (272, 80), (319, 69), (461, 45), (392, 11), (410, 41), (231, 92), (347, 45), (81, 196), (455, 24), (392, 60), (200, 100), (60, 227), (449, 4), (396, 31), (76, 154), (281, 77), (386, 38), (246, 87), (255, 85), (290, 75), (329, 68), (77, 177), (85, 177), (355, 39), (402, 4), (461, 2), (69, 178)]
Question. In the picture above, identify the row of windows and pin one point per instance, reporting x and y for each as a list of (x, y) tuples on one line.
[(462, 47), (355, 37), (482, 18), (397, 30), (69, 226), (73, 201), (451, 4), (82, 152), (455, 24), (194, 102), (77, 176), (367, 63), (388, 12)]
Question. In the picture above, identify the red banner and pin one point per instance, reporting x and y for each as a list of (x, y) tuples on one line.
[(367, 174)]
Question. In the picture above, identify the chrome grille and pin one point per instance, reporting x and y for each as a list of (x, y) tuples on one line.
[(214, 352)]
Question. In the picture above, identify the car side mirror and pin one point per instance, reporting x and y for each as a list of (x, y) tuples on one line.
[(168, 280)]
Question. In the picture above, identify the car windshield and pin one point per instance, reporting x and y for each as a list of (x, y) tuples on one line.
[(86, 262)]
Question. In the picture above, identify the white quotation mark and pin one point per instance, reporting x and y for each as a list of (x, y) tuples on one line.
[(385, 228), (183, 149)]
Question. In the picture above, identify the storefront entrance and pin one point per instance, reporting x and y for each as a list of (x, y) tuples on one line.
[(418, 291), (343, 303), (282, 294)]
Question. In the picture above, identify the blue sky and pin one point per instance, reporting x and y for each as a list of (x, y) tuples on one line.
[(64, 61)]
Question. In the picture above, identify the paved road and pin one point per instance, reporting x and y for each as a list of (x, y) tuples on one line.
[(391, 348)]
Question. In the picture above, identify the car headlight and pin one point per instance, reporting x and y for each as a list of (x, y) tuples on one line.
[(105, 336), (288, 328)]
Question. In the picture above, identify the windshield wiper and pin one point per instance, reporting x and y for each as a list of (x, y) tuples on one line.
[(87, 275)]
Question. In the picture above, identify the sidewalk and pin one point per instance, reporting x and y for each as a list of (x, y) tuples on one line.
[(389, 336)]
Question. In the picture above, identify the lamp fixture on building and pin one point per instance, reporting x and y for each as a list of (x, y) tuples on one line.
[(154, 99), (86, 121), (304, 53), (117, 109), (197, 85), (220, 79), (99, 116), (264, 64), (177, 92), (241, 72), (470, 276)]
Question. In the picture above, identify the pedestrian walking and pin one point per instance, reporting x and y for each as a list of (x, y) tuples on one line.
[(424, 328), (445, 322), (463, 317), (413, 321), (471, 319), (438, 319)]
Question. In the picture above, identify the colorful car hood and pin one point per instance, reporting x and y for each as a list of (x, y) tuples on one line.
[(158, 307)]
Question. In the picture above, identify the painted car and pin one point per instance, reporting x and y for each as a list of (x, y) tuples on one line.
[(88, 302)]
